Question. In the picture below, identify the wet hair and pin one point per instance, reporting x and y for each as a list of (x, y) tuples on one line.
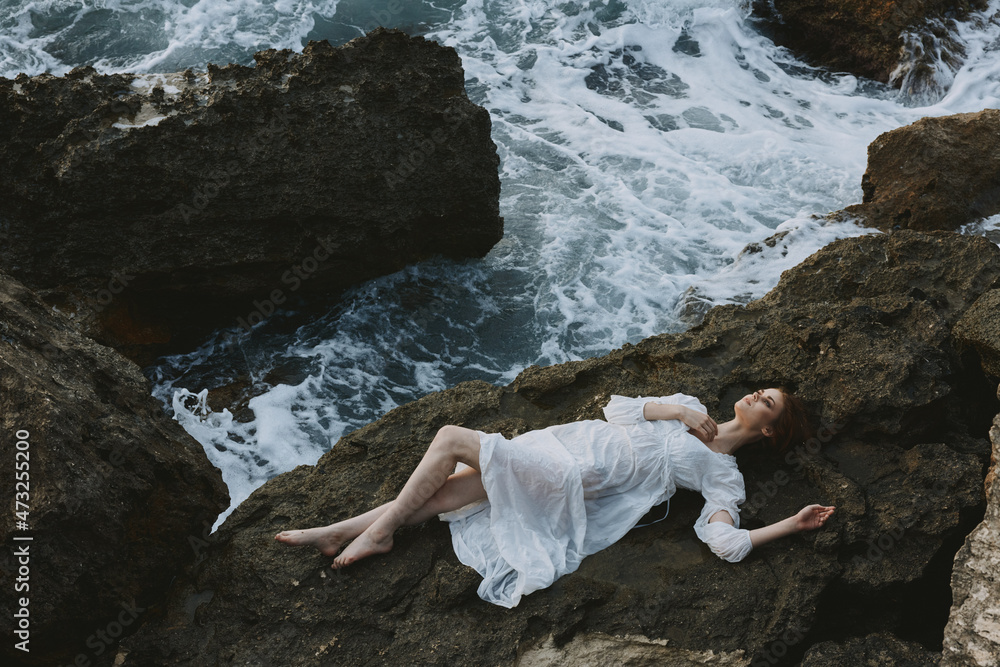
[(792, 425)]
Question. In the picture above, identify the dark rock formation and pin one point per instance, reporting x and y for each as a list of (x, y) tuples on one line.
[(116, 498), (873, 650), (972, 637), (980, 328), (937, 173), (865, 37), (861, 331), (160, 207)]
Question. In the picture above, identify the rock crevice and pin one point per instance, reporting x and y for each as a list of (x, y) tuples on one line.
[(117, 495)]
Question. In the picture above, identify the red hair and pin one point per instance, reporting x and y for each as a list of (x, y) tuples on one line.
[(792, 425)]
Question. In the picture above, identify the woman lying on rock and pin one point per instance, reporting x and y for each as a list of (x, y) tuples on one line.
[(526, 511)]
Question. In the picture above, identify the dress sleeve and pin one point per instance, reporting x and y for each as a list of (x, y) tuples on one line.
[(723, 490), (624, 410)]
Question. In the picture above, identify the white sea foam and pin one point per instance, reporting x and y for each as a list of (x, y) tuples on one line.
[(643, 146), (148, 35), (988, 227)]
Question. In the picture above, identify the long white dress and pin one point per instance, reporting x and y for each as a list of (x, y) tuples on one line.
[(559, 494)]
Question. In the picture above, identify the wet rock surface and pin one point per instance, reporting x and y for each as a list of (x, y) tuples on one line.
[(865, 37), (160, 207), (861, 331), (972, 636), (936, 173), (116, 495)]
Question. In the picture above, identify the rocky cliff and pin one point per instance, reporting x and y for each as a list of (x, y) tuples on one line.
[(936, 173), (972, 637), (114, 495), (861, 331), (898, 41), (156, 208)]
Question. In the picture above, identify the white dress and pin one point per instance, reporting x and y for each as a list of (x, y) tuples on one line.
[(559, 494)]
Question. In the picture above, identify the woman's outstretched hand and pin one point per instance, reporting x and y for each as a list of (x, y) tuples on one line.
[(813, 517), (807, 518)]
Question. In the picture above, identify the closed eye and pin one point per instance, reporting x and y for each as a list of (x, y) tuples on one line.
[(768, 401)]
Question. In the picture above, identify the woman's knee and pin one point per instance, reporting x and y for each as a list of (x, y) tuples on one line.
[(460, 442), (450, 437), (449, 432)]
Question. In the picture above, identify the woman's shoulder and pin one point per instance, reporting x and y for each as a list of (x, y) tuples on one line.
[(724, 471)]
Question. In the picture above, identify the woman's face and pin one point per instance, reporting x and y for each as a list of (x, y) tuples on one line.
[(760, 409)]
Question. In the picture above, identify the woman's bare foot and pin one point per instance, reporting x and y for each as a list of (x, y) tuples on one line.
[(365, 545), (325, 538)]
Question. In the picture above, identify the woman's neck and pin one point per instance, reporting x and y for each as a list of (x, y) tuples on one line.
[(731, 436)]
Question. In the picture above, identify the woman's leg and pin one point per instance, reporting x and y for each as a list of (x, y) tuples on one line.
[(329, 539), (459, 490), (451, 445)]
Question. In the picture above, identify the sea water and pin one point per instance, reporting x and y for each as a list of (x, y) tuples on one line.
[(643, 143)]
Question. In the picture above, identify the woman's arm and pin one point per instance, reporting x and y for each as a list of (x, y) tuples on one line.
[(808, 518), (699, 423)]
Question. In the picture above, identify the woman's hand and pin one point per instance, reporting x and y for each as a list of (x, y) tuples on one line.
[(808, 518), (812, 517), (701, 425)]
